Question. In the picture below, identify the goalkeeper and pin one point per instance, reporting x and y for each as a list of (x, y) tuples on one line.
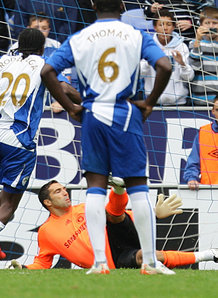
[(65, 232)]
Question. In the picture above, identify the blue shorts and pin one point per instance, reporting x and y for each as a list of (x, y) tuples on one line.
[(16, 166), (107, 149)]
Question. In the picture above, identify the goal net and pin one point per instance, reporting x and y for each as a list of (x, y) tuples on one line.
[(169, 133)]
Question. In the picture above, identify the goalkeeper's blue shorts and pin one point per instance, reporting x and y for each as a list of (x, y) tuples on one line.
[(16, 166), (108, 149)]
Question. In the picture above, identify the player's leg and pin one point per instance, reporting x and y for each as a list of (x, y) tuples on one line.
[(145, 223), (123, 240), (118, 199), (144, 218), (95, 214), (2, 255), (179, 258), (95, 163), (171, 258), (122, 235), (9, 203), (16, 167), (120, 227), (128, 255), (129, 162)]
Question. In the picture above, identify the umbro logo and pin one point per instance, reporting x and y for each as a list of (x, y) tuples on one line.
[(214, 153), (80, 217), (68, 221)]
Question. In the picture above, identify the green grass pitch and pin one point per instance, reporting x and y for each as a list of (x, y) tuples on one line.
[(119, 283)]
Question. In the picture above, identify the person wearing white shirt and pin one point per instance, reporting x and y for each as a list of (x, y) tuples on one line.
[(172, 44)]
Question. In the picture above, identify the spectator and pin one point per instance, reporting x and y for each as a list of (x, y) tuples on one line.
[(86, 16), (65, 232), (186, 14), (62, 13), (203, 58), (133, 4), (202, 163), (4, 28), (41, 22), (136, 17), (172, 44)]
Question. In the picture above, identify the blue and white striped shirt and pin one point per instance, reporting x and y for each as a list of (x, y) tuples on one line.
[(107, 55)]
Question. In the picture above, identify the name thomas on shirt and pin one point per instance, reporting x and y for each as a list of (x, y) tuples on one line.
[(106, 33)]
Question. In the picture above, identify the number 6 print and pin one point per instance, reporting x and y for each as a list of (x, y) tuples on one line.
[(102, 64)]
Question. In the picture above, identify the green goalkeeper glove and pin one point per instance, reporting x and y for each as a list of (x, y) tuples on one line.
[(165, 208), (14, 265)]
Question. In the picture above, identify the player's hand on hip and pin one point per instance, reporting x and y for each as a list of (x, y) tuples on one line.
[(76, 114), (145, 109), (169, 206)]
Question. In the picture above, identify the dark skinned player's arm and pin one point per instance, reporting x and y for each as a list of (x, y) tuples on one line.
[(163, 72), (49, 77), (71, 92)]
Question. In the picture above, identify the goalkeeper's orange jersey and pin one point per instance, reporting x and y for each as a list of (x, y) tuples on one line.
[(67, 235)]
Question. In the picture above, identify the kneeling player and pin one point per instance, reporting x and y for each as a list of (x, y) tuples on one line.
[(65, 233)]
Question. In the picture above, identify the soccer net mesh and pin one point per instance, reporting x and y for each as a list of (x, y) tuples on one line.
[(169, 133)]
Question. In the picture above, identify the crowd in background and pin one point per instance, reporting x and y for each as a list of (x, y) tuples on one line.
[(187, 31), (65, 17)]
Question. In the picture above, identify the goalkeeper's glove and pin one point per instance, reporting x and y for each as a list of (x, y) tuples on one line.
[(14, 265), (165, 208)]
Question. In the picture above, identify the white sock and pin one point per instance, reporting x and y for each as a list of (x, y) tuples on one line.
[(145, 223), (2, 226), (205, 255), (96, 223)]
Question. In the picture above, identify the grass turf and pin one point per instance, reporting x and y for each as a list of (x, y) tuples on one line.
[(119, 283)]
